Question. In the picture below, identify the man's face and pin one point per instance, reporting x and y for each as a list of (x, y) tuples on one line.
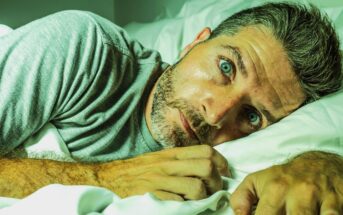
[(222, 89)]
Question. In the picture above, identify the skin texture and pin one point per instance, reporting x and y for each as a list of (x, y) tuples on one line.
[(309, 184), (217, 106), (174, 174)]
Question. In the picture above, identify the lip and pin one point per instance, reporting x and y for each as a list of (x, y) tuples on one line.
[(187, 127)]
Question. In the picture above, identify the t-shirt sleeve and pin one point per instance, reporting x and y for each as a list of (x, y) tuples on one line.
[(45, 67)]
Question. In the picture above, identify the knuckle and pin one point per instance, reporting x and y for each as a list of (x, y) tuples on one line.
[(148, 178), (278, 184), (198, 189), (209, 167), (198, 185), (249, 177), (218, 186), (208, 151), (310, 188)]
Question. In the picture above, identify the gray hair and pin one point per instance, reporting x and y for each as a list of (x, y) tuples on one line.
[(308, 37)]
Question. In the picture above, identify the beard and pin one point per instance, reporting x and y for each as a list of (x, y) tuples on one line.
[(167, 133)]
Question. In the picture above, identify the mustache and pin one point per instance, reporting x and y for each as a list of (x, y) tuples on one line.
[(196, 120)]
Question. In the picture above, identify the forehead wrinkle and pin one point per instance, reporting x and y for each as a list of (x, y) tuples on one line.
[(236, 51), (261, 79), (271, 119), (266, 79), (257, 44), (286, 82)]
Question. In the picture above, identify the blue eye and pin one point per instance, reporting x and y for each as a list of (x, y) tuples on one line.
[(254, 118), (226, 67)]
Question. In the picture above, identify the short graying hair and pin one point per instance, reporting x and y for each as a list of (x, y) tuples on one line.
[(307, 36)]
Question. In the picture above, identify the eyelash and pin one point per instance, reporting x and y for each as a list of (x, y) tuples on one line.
[(252, 109)]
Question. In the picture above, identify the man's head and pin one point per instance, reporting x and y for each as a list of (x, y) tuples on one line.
[(307, 37), (255, 68)]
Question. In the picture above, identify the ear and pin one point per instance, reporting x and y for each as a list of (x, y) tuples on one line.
[(203, 35)]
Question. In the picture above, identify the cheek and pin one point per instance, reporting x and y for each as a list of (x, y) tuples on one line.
[(191, 82), (190, 90)]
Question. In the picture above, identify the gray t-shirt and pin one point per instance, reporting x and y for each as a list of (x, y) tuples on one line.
[(83, 74)]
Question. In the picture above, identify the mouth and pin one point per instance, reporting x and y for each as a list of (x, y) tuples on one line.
[(188, 128)]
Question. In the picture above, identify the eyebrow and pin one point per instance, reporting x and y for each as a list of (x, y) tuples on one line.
[(270, 118), (237, 54)]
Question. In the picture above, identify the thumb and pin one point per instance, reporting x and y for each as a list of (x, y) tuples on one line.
[(244, 197)]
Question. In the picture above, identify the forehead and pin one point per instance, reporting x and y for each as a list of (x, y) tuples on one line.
[(271, 83)]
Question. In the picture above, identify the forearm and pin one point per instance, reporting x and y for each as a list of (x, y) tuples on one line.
[(198, 170), (21, 177)]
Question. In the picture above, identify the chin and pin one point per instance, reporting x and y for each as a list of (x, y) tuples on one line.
[(174, 138)]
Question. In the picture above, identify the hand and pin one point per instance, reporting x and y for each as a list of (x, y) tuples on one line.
[(185, 173), (311, 183)]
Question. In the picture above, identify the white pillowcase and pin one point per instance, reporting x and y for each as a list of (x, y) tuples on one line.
[(170, 35), (317, 126)]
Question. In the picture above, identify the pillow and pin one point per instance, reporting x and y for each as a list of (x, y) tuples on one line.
[(316, 126), (170, 35)]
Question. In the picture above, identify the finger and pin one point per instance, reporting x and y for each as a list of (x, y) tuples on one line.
[(303, 199), (331, 205), (188, 187), (244, 197), (202, 151), (272, 196), (201, 168), (163, 195)]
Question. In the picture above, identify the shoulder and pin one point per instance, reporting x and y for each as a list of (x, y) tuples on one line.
[(88, 24)]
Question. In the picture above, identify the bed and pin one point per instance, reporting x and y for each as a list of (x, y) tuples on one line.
[(317, 126)]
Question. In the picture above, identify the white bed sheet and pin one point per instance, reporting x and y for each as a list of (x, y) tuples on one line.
[(60, 199), (87, 200), (246, 155)]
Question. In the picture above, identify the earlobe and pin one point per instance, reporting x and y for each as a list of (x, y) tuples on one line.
[(203, 35)]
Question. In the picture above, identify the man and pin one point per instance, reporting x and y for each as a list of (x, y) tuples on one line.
[(111, 99)]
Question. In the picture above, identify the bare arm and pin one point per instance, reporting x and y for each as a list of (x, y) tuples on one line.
[(177, 174), (21, 177)]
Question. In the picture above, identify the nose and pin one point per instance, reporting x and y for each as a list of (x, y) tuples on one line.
[(219, 110)]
